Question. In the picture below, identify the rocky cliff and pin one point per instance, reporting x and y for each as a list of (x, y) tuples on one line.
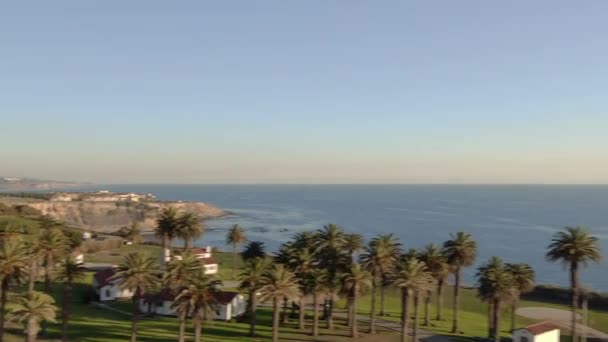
[(107, 216)]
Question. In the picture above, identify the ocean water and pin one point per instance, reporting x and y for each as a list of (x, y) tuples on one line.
[(513, 222)]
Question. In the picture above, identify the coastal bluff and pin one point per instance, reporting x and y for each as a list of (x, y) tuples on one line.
[(105, 211)]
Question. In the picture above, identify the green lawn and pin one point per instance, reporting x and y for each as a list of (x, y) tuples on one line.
[(473, 313), (22, 224), (92, 324)]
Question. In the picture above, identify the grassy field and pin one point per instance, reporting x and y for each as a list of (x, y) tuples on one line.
[(92, 324), (18, 223), (473, 313)]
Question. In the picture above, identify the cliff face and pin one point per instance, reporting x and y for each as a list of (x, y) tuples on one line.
[(109, 216)]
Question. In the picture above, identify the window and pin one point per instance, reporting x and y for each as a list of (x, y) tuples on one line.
[(523, 339), (108, 293)]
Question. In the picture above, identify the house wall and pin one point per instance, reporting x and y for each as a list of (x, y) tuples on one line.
[(549, 336), (112, 292), (211, 269), (522, 335)]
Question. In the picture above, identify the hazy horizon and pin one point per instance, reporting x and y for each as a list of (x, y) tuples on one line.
[(468, 92)]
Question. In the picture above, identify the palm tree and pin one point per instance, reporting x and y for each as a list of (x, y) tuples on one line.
[(13, 262), (189, 228), (574, 247), (277, 284), (412, 276), (495, 285), (355, 282), (167, 226), (303, 263), (136, 273), (523, 281), (68, 271), (200, 296), (251, 278), (460, 251), (33, 310), (316, 284), (329, 247), (235, 237), (378, 259), (178, 275), (253, 249), (353, 244), (390, 244), (436, 263), (133, 233)]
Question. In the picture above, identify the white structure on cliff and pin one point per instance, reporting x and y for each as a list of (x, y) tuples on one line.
[(203, 254)]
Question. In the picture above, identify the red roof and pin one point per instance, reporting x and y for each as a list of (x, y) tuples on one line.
[(541, 328), (208, 261), (199, 250), (103, 277)]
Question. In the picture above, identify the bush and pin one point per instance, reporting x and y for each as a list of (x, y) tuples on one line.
[(562, 295), (88, 296)]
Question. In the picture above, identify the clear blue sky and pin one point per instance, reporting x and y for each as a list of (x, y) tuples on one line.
[(305, 91)]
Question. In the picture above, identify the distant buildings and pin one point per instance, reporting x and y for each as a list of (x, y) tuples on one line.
[(203, 254), (101, 196)]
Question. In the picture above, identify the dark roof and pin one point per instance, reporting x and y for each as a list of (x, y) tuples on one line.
[(225, 297), (541, 328), (103, 277)]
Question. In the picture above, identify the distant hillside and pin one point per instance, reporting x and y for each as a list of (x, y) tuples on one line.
[(105, 211), (21, 184)]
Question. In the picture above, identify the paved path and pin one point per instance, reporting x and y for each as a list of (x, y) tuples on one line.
[(560, 317)]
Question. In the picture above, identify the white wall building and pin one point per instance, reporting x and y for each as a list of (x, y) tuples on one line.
[(230, 305), (107, 289), (203, 254), (539, 332)]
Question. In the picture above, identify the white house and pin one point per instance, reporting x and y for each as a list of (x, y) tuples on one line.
[(539, 332), (230, 305), (203, 254), (77, 256), (106, 288)]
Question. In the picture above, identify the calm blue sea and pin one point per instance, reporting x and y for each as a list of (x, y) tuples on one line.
[(513, 222)]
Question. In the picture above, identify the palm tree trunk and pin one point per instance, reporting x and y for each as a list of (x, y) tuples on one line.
[(186, 244), (440, 299), (354, 331), (490, 319), (233, 261), (574, 305), (301, 314), (382, 298), (315, 314), (32, 330), (497, 320), (47, 286), (182, 327), (3, 298), (372, 314), (456, 300), (330, 313), (514, 306), (197, 328), (349, 311), (135, 318), (405, 303), (275, 319), (416, 307), (427, 308), (285, 314), (252, 313), (65, 310)]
